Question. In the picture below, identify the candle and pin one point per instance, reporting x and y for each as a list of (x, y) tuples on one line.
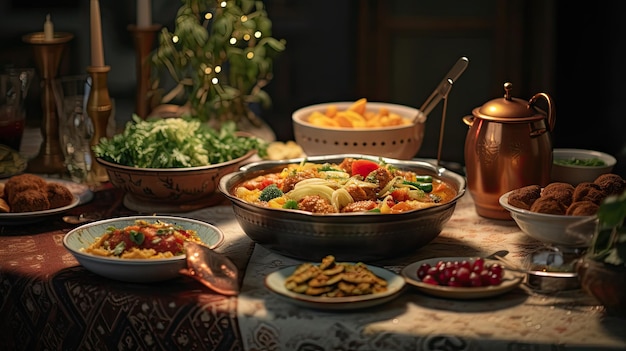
[(48, 29), (144, 14), (97, 53)]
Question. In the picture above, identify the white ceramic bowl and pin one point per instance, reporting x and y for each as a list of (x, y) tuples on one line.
[(135, 270), (559, 230), (576, 174), (399, 142)]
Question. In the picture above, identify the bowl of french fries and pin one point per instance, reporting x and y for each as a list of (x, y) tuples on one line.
[(371, 128)]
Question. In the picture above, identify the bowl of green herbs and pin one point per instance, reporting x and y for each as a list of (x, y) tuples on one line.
[(575, 166), (173, 164)]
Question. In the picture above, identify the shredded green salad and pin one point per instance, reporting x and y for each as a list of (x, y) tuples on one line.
[(175, 143)]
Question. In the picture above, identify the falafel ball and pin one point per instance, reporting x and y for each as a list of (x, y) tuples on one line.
[(611, 184), (588, 191), (582, 208), (22, 182), (30, 200), (524, 197), (560, 191), (548, 205), (58, 195)]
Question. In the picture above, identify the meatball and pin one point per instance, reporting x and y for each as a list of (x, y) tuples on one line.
[(563, 192), (611, 184), (359, 206), (588, 191), (382, 177), (290, 182), (58, 195), (548, 205), (346, 164), (361, 193), (525, 197), (30, 200), (582, 208), (315, 204)]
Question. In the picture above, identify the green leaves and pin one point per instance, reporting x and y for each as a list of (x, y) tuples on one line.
[(609, 242), (209, 60), (175, 143)]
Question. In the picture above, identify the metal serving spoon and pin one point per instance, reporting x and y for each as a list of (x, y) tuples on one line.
[(442, 90), (94, 216), (212, 269)]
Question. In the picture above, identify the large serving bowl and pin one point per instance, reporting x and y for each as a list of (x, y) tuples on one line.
[(154, 190), (135, 270), (347, 236), (400, 142), (560, 230), (578, 173)]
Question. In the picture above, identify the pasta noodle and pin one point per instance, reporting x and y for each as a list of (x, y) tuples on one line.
[(143, 240)]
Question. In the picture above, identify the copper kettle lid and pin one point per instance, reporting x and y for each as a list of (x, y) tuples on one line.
[(507, 109)]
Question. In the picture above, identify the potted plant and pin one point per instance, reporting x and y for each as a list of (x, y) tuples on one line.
[(602, 271), (219, 58)]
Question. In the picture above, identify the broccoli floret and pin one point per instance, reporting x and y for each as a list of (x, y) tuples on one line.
[(270, 192), (291, 205)]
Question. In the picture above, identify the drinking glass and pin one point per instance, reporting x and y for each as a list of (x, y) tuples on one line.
[(75, 127), (14, 84)]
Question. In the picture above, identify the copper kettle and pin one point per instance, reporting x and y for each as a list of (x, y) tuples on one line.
[(508, 146)]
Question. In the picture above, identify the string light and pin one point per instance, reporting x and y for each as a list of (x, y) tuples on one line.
[(244, 18), (215, 80), (218, 69), (223, 4), (208, 70), (233, 41), (208, 15), (175, 39), (257, 34), (250, 55)]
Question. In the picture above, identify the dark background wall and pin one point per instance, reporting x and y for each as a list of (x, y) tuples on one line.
[(394, 51)]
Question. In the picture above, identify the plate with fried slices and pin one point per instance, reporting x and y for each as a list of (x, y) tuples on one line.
[(342, 289)]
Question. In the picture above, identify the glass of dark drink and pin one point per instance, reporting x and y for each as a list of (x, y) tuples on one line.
[(14, 84)]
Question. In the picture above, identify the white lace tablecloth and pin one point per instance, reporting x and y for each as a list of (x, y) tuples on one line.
[(518, 320)]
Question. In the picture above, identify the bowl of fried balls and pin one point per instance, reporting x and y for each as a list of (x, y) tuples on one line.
[(560, 213)]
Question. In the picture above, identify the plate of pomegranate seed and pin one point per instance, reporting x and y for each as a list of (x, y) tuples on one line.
[(461, 277)]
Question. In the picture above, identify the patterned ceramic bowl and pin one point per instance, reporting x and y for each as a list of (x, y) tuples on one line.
[(154, 190)]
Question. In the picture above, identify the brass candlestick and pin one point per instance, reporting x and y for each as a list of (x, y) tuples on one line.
[(99, 109), (144, 42), (48, 53)]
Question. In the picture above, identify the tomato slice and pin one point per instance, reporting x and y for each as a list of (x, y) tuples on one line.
[(363, 167)]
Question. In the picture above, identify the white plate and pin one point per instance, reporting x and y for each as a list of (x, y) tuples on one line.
[(135, 270), (275, 282), (16, 218), (82, 195), (510, 281)]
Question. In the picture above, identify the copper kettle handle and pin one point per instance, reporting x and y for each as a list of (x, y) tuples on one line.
[(551, 115), (469, 120)]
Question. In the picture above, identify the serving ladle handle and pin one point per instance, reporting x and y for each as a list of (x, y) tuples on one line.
[(443, 89)]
